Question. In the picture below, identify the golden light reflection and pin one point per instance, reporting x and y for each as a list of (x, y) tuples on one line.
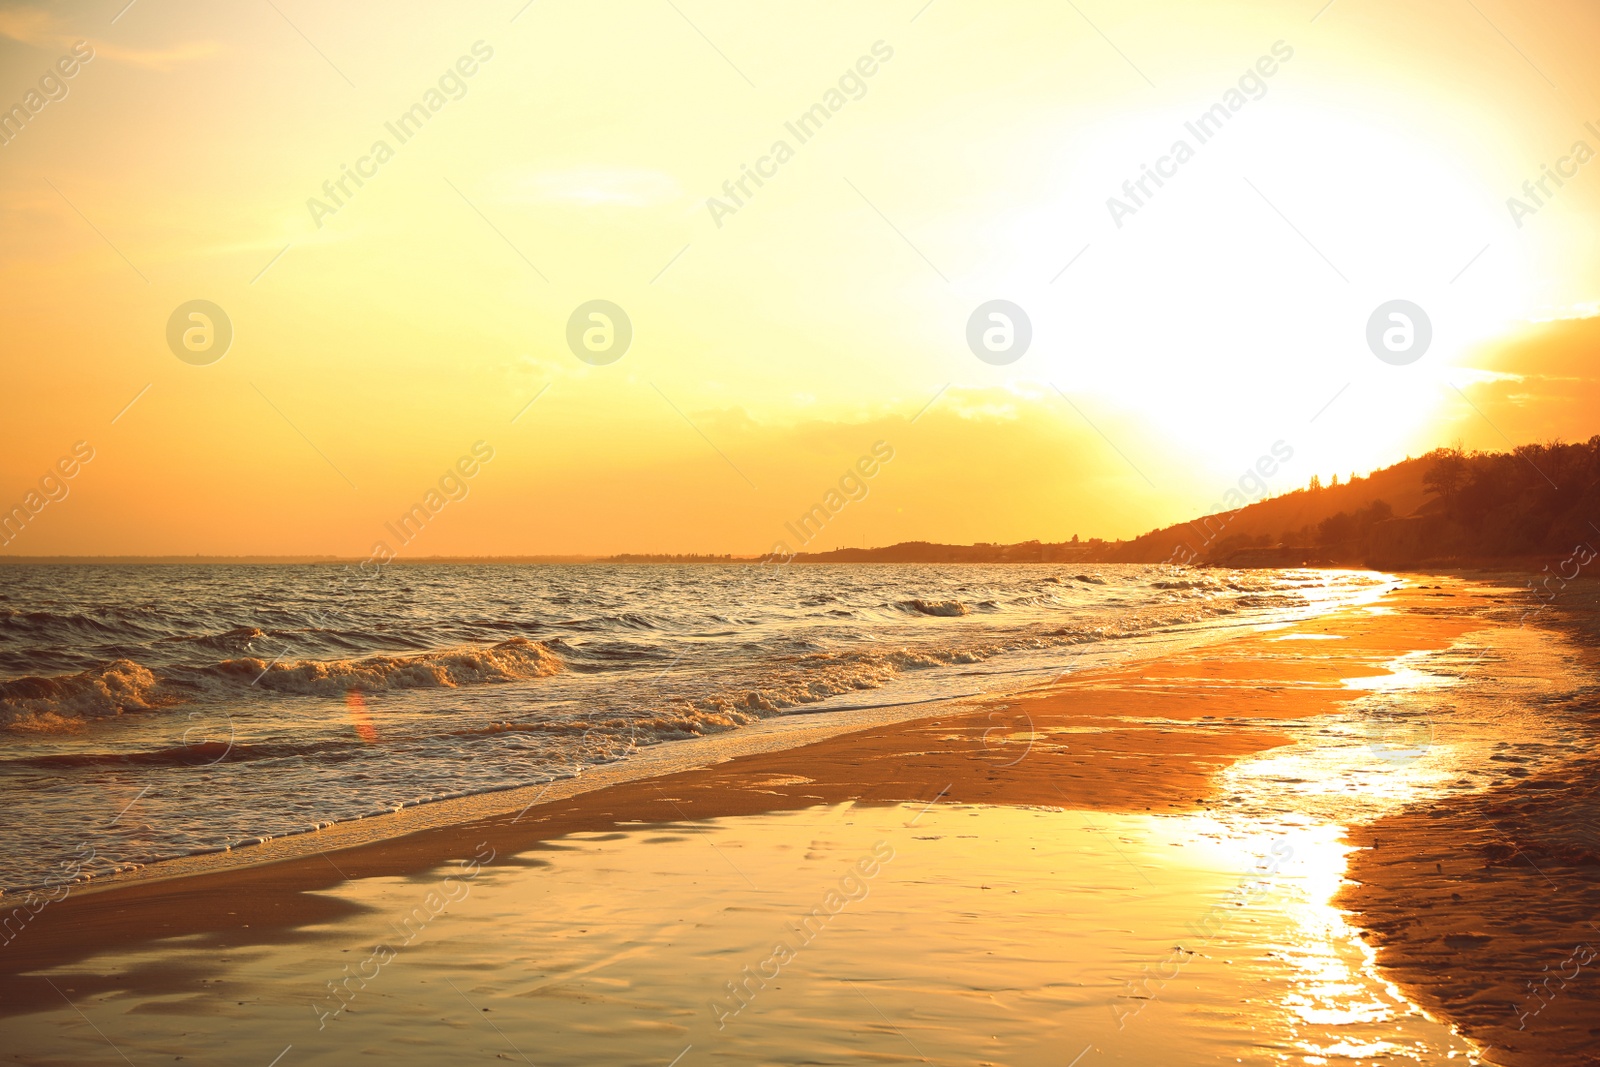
[(1005, 970), (1336, 984)]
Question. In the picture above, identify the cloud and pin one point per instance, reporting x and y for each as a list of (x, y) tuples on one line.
[(37, 26), (163, 59), (30, 25), (1543, 383)]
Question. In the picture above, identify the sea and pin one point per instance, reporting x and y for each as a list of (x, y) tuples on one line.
[(149, 712)]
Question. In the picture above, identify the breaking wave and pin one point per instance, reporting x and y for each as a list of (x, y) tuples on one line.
[(947, 609), (67, 703), (516, 659), (63, 703)]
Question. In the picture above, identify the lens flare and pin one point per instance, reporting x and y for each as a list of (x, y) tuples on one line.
[(358, 715)]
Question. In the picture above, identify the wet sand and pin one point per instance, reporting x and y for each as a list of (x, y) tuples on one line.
[(1486, 907), (1487, 911), (1148, 738)]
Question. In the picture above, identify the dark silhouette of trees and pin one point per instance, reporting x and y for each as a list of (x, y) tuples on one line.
[(1446, 474), (1348, 527), (1534, 500)]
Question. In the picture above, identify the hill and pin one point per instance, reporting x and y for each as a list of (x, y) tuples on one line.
[(1448, 507), (1288, 525)]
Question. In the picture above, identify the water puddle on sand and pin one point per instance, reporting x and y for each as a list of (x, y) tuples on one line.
[(947, 935)]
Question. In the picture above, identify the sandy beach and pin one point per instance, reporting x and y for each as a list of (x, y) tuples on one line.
[(1168, 777), (1486, 906)]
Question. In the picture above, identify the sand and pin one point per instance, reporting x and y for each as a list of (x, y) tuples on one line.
[(1486, 909), (1143, 738)]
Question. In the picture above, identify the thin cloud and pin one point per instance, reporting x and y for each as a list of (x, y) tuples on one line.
[(37, 27), (163, 59), (30, 25)]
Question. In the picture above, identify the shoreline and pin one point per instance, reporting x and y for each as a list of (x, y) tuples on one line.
[(795, 728), (1137, 737), (1485, 907)]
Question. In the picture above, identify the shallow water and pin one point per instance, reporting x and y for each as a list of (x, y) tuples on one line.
[(938, 934), (152, 712), (1491, 708)]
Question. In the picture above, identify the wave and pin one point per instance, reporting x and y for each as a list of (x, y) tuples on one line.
[(516, 659), (1268, 600), (238, 639), (941, 608), (119, 624), (200, 754), (626, 620), (821, 675), (64, 703), (1184, 583), (67, 703)]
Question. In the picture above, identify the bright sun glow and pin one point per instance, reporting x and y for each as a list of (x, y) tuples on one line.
[(797, 288)]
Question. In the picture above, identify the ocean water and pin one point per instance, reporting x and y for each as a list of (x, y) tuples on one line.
[(150, 712)]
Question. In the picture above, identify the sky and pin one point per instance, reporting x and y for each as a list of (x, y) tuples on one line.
[(1357, 153)]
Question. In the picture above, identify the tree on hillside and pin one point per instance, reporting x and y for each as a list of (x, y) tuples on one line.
[(1352, 527), (1445, 476), (1534, 500)]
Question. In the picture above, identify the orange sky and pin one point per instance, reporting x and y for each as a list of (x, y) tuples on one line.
[(569, 154)]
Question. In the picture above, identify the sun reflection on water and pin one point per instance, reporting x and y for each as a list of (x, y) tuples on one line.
[(1336, 1001)]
